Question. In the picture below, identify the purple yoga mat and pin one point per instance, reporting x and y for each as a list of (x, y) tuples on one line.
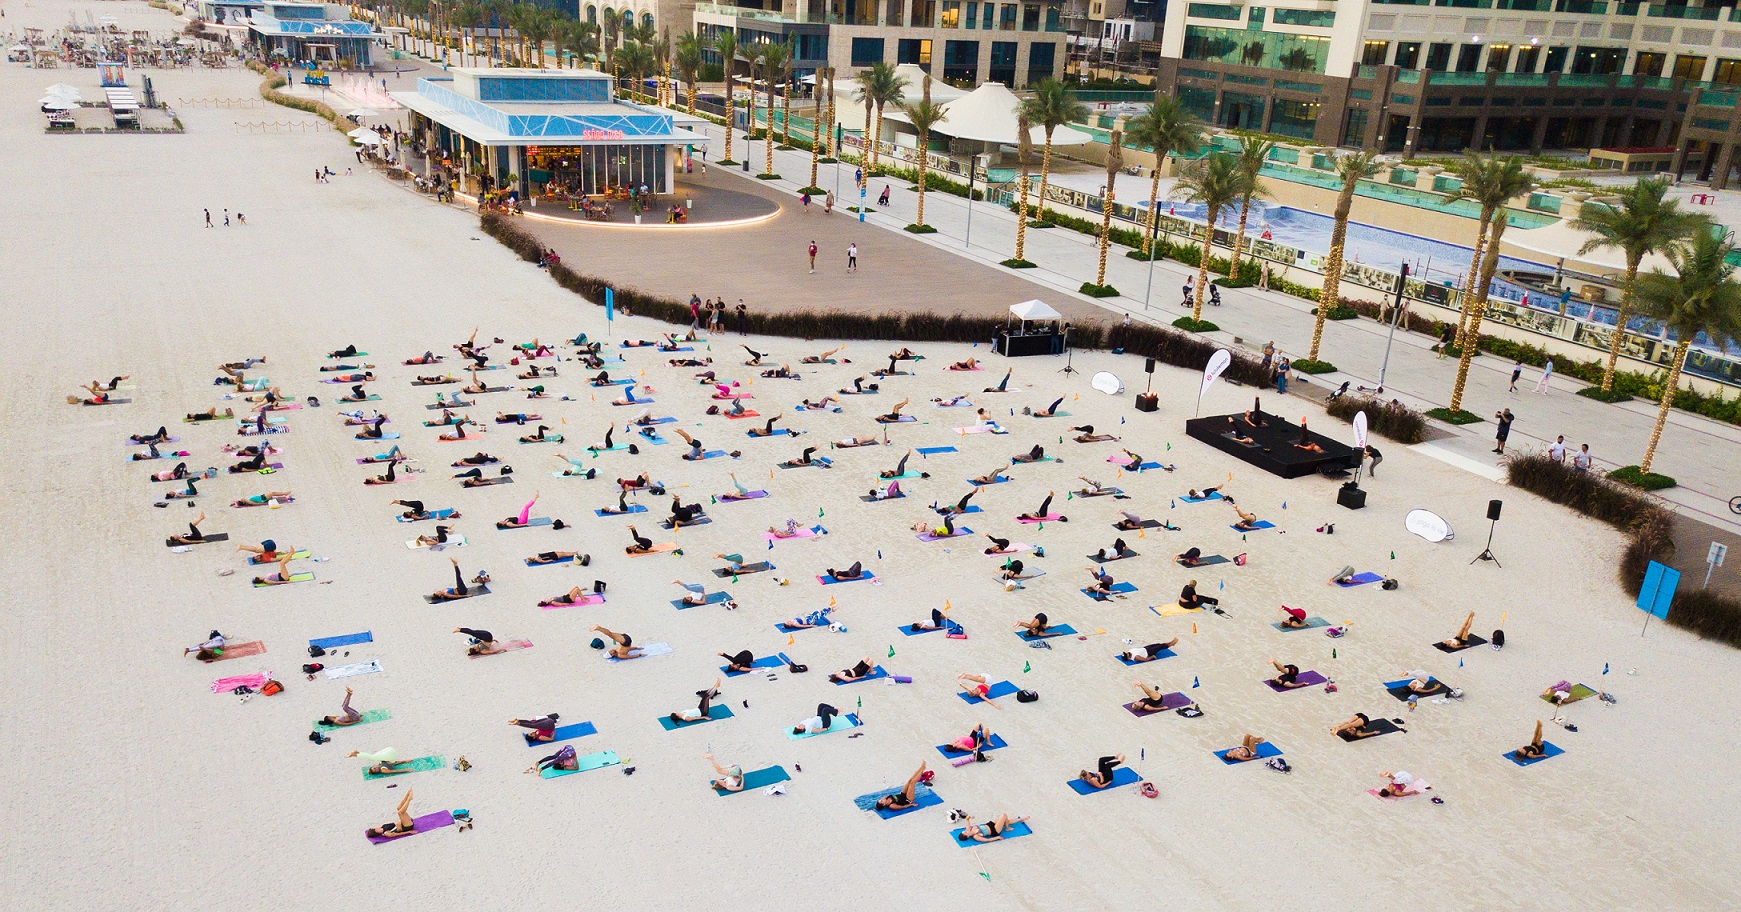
[(422, 824), (1306, 679), (750, 496), (1169, 701)]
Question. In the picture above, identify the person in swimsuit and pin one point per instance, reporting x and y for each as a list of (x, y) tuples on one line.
[(978, 686), (1288, 679), (543, 728), (992, 831), (211, 650), (458, 591), (864, 669), (731, 778), (404, 826), (1533, 749), (1355, 728), (1247, 749), (906, 797), (1087, 435), (624, 647), (1101, 776), (1048, 412), (573, 596), (1152, 700), (211, 414), (386, 763), (439, 538), (703, 710), (346, 716), (1247, 521), (893, 414), (1150, 652), (524, 518), (194, 536), (1461, 640), (485, 644)]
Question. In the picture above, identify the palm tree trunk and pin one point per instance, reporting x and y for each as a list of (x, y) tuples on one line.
[(1105, 232), (1214, 216), (1619, 322), (1474, 270), (769, 135), (816, 133), (1154, 198), (1239, 241), (1489, 262), (786, 118), (864, 158), (1022, 220), (924, 161), (730, 113), (692, 98), (833, 148), (1668, 396), (1330, 294), (877, 143)]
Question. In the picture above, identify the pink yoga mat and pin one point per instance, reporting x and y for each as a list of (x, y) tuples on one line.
[(240, 650), (802, 533), (256, 680), (422, 824), (1049, 517), (750, 496), (1419, 785), (734, 396)]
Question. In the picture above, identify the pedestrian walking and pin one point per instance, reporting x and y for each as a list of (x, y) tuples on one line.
[(694, 313), (805, 199), (1504, 417), (1516, 372), (1581, 460), (852, 257), (1541, 385), (1557, 449), (208, 218), (812, 257), (883, 200), (828, 203)]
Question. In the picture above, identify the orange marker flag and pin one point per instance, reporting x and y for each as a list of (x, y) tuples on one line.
[(831, 601), (946, 606), (790, 640), (1140, 533), (1193, 628)]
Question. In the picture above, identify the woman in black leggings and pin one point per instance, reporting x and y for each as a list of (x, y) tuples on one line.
[(642, 543), (1103, 777), (542, 728), (458, 591)]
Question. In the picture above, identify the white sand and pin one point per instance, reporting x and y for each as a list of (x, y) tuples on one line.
[(131, 786)]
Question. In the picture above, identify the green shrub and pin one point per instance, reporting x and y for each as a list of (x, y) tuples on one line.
[(1598, 394), (1098, 291), (1017, 264), (920, 229), (1707, 614), (1339, 312), (1387, 419), (1196, 326), (1308, 366), (1457, 417), (933, 180), (1638, 478)]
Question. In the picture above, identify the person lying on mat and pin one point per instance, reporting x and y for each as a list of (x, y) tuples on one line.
[(906, 797), (252, 463), (1534, 748), (543, 728), (805, 460), (414, 509), (349, 351), (161, 435), (175, 474), (1101, 776), (684, 514), (484, 644), (1150, 652), (511, 418), (428, 357), (1038, 626), (1129, 522), (817, 618), (1293, 618), (1190, 557), (991, 831), (1188, 597), (893, 414), (386, 763), (1087, 435), (1422, 683), (357, 394), (642, 544), (266, 498), (537, 372), (703, 708), (697, 593), (1247, 521), (900, 467), (374, 432), (783, 372), (1044, 511), (393, 455), (552, 557), (1288, 679), (1461, 640), (755, 356), (1344, 576), (952, 401), (1357, 727), (859, 387), (266, 552), (438, 380), (458, 591), (938, 622), (695, 450), (476, 459), (1253, 417), (1135, 462), (97, 397), (640, 481), (864, 669), (1120, 551), (998, 545), (404, 826), (969, 364), (1206, 493), (390, 478), (194, 536), (1103, 582), (1015, 571), (187, 492), (819, 723), (851, 573), (1002, 385), (742, 660), (439, 538), (1047, 412), (212, 648), (977, 685), (283, 575), (825, 356), (1037, 454), (731, 776), (971, 743), (346, 716), (826, 402), (789, 530), (1399, 784), (563, 759), (211, 414), (1247, 749), (992, 477), (1152, 700), (524, 517), (573, 596), (476, 386), (623, 645), (923, 526)]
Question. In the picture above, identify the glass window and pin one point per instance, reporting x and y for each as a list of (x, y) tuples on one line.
[(1315, 18), (1042, 59), (1007, 17), (1372, 54), (916, 51), (1200, 102), (1212, 11), (1649, 63), (922, 13), (1556, 60), (971, 19), (1408, 54), (951, 14), (961, 61), (1298, 119), (1498, 57), (1053, 22), (1527, 58), (1438, 57), (1255, 19), (1003, 63), (1241, 111), (1030, 17), (1468, 58), (1354, 134), (1239, 47), (867, 51), (1689, 67), (990, 17), (1728, 72)]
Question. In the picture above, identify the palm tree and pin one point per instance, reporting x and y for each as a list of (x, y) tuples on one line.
[(878, 85), (1641, 222), (537, 27), (1114, 161), (1475, 172), (634, 58), (498, 10), (1165, 127), (1252, 155), (1351, 169), (580, 39), (828, 117), (774, 59), (1052, 106), (688, 62), (667, 88), (469, 16), (815, 130), (1024, 152), (1702, 297), (1504, 180), (1214, 182), (924, 116), (726, 43), (609, 23), (787, 53)]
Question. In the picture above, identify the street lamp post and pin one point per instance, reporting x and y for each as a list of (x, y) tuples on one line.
[(1395, 317)]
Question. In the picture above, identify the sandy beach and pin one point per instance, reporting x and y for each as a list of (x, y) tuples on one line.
[(133, 786)]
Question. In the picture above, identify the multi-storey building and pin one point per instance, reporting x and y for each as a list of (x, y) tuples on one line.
[(1446, 75)]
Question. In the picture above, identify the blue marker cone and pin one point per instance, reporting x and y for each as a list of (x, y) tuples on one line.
[(1604, 667), (1221, 585), (770, 546), (1121, 419), (1195, 683), (1172, 505), (1284, 505), (879, 554)]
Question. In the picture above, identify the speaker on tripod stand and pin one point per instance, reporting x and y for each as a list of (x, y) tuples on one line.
[(1486, 554), (1147, 401)]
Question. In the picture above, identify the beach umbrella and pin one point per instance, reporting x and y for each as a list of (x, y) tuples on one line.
[(63, 90), (360, 133), (370, 139), (56, 104), (364, 112)]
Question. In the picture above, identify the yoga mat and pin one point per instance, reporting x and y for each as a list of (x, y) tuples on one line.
[(1474, 641), (347, 639), (723, 572), (453, 541), (1146, 524), (583, 763), (1013, 831), (472, 591), (1400, 689), (1311, 622), (928, 537), (373, 715), (433, 514), (669, 419), (1263, 751), (1030, 576), (419, 765), (633, 508), (838, 723), (734, 498), (1549, 751), (904, 419), (646, 652), (1378, 727), (609, 449), (823, 461), (177, 454), (1163, 654), (422, 824), (1260, 524), (486, 482), (591, 598), (1015, 461), (929, 451), (214, 537), (725, 397), (1578, 692), (1128, 553), (999, 481), (255, 680), (720, 711), (534, 521), (981, 429), (971, 508), (1305, 680), (1169, 702), (829, 580), (907, 630), (1049, 517), (755, 780), (773, 661), (698, 521), (350, 671), (1000, 689), (876, 673), (1122, 776), (241, 650), (1115, 587), (1103, 492), (1361, 579), (1173, 610), (746, 413), (995, 743), (1056, 630), (802, 533), (1015, 548), (561, 560), (626, 382), (923, 798), (1209, 560), (294, 578), (134, 443), (660, 547)]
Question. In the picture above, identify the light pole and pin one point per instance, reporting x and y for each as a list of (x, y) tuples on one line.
[(1396, 315), (973, 172)]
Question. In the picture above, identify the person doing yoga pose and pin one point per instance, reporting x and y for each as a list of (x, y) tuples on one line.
[(864, 669), (1002, 385), (210, 650), (893, 414), (1043, 513), (695, 450), (1188, 597), (574, 596), (1288, 679), (1037, 454), (938, 622), (523, 519), (825, 356), (974, 742), (1247, 749), (555, 557), (642, 545), (977, 685), (851, 573), (346, 716), (992, 477), (543, 728), (991, 831), (386, 762), (1360, 726), (731, 776), (906, 797), (1101, 776), (403, 826), (624, 646), (900, 468), (1036, 628), (483, 642), (1048, 412), (563, 759), (439, 538), (703, 709), (459, 589), (741, 661), (1150, 652), (1534, 749), (194, 536), (819, 723), (1152, 700), (1462, 638), (1206, 493), (1087, 435)]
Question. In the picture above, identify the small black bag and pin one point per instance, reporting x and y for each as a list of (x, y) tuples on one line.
[(315, 652), (312, 667), (796, 668), (1026, 696), (1388, 585), (1498, 639)]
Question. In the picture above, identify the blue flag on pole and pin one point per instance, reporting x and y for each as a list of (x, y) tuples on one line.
[(610, 305)]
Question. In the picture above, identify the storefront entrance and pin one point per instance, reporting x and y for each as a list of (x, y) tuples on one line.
[(595, 169)]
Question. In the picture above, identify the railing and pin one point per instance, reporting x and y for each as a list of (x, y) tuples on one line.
[(1591, 7), (1661, 11), (1717, 99), (1459, 79), (1409, 76)]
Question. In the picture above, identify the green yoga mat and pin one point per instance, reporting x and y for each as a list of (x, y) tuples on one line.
[(373, 715), (420, 765), (584, 763), (294, 578), (1578, 692)]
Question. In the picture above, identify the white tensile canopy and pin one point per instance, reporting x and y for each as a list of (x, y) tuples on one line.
[(1035, 310), (988, 115)]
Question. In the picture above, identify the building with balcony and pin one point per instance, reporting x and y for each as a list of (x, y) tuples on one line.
[(319, 32), (1446, 75)]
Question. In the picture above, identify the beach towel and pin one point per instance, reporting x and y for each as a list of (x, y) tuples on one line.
[(241, 650), (347, 671), (419, 765), (1030, 520), (349, 639), (256, 681)]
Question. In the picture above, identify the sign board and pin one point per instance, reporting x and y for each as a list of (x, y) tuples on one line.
[(1717, 553), (1428, 525), (1107, 383), (593, 135), (1658, 590)]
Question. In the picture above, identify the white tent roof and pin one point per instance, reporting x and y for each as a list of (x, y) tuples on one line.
[(1035, 310), (940, 91), (988, 114)]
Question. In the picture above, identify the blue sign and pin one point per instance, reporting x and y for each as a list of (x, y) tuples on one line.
[(610, 305), (1658, 590)]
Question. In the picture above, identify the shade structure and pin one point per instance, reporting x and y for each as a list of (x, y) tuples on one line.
[(988, 114), (1035, 310)]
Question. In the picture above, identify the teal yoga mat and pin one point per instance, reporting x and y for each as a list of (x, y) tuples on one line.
[(420, 765), (373, 715), (759, 779), (583, 764)]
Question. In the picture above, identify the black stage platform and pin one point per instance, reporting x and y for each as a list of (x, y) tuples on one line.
[(1274, 448)]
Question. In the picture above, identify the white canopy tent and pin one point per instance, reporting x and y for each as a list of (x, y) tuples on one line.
[(988, 115), (1035, 310)]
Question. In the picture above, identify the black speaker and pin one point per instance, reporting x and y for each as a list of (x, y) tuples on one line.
[(1149, 366), (1147, 402), (1493, 510), (1351, 497)]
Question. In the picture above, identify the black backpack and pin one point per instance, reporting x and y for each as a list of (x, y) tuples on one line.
[(1026, 696), (1498, 639), (315, 652)]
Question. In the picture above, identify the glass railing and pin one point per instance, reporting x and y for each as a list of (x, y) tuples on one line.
[(1466, 4), (1403, 177), (1586, 80), (1408, 76), (1592, 7), (1459, 79), (1526, 5), (743, 12), (1366, 72), (1717, 99), (1660, 11), (1521, 79)]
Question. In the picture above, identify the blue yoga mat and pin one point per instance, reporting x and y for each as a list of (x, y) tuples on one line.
[(633, 508), (773, 661), (349, 639), (1265, 749), (932, 451), (1116, 587), (1361, 579), (759, 779), (1260, 524), (996, 742), (907, 630), (1000, 689), (720, 711), (669, 419), (922, 798), (971, 508), (875, 674), (584, 763), (1192, 500), (1056, 630), (712, 598), (1549, 750), (1163, 654), (1311, 622), (565, 732), (1124, 775), (1010, 832), (830, 581), (999, 481), (711, 454)]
